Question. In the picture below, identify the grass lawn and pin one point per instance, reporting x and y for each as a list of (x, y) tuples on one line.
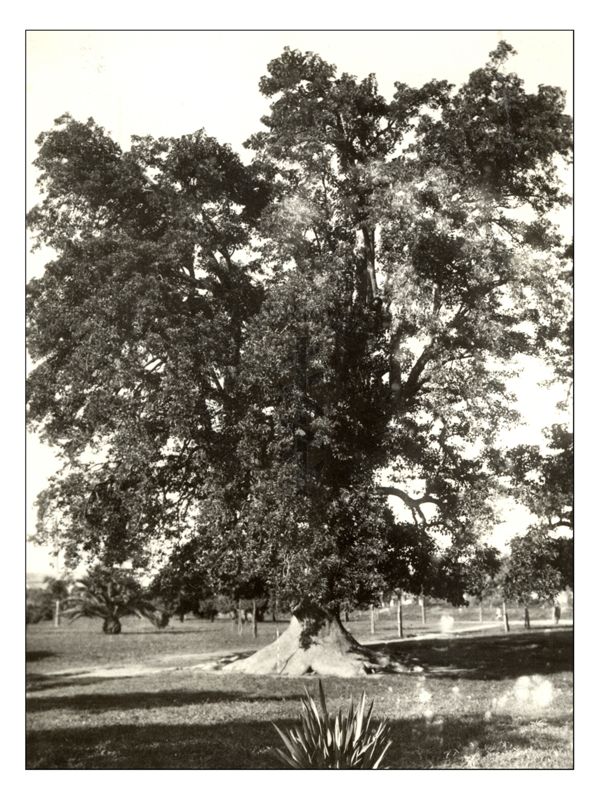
[(484, 700)]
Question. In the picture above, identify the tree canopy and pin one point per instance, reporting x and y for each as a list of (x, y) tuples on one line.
[(533, 567), (252, 358), (544, 481)]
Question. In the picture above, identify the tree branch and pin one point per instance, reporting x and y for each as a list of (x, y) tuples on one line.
[(414, 503)]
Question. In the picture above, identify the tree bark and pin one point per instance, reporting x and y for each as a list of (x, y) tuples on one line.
[(316, 642), (505, 617), (526, 620), (254, 621), (111, 625)]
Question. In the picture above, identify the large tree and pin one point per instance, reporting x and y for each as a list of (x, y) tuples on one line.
[(255, 358)]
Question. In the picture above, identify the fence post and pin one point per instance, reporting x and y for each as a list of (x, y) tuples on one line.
[(239, 616), (399, 620), (372, 618), (57, 613), (254, 622)]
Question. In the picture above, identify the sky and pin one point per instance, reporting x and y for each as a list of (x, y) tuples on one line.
[(168, 83)]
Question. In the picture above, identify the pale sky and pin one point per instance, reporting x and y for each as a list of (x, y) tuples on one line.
[(172, 83)]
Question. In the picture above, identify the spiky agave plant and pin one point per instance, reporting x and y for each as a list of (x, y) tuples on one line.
[(111, 595), (347, 740)]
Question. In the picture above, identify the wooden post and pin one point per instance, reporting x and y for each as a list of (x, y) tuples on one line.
[(239, 616), (399, 620), (505, 617), (372, 618), (423, 610), (254, 622), (57, 613), (480, 611)]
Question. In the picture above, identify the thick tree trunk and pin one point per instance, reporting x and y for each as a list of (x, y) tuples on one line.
[(111, 625), (315, 642)]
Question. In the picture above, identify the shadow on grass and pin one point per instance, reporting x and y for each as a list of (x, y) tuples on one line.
[(489, 657), (167, 631), (99, 703), (38, 683), (417, 744), (38, 655)]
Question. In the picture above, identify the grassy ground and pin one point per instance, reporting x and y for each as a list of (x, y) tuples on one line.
[(82, 644), (483, 700)]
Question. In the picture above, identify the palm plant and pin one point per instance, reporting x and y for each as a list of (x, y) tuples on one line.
[(348, 740), (111, 595)]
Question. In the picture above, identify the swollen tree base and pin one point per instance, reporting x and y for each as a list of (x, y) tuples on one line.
[(111, 625), (316, 644)]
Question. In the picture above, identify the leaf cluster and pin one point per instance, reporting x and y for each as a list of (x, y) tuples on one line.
[(346, 740)]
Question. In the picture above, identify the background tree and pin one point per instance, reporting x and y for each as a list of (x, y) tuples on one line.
[(564, 560), (543, 481), (110, 595), (482, 567), (182, 585), (192, 580), (259, 356), (41, 601), (531, 570)]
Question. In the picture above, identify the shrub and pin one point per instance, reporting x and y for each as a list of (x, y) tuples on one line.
[(207, 608), (348, 740), (41, 601), (39, 606)]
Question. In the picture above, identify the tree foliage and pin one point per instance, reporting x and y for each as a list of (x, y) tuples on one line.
[(110, 595), (532, 568), (544, 481), (41, 601), (253, 358)]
